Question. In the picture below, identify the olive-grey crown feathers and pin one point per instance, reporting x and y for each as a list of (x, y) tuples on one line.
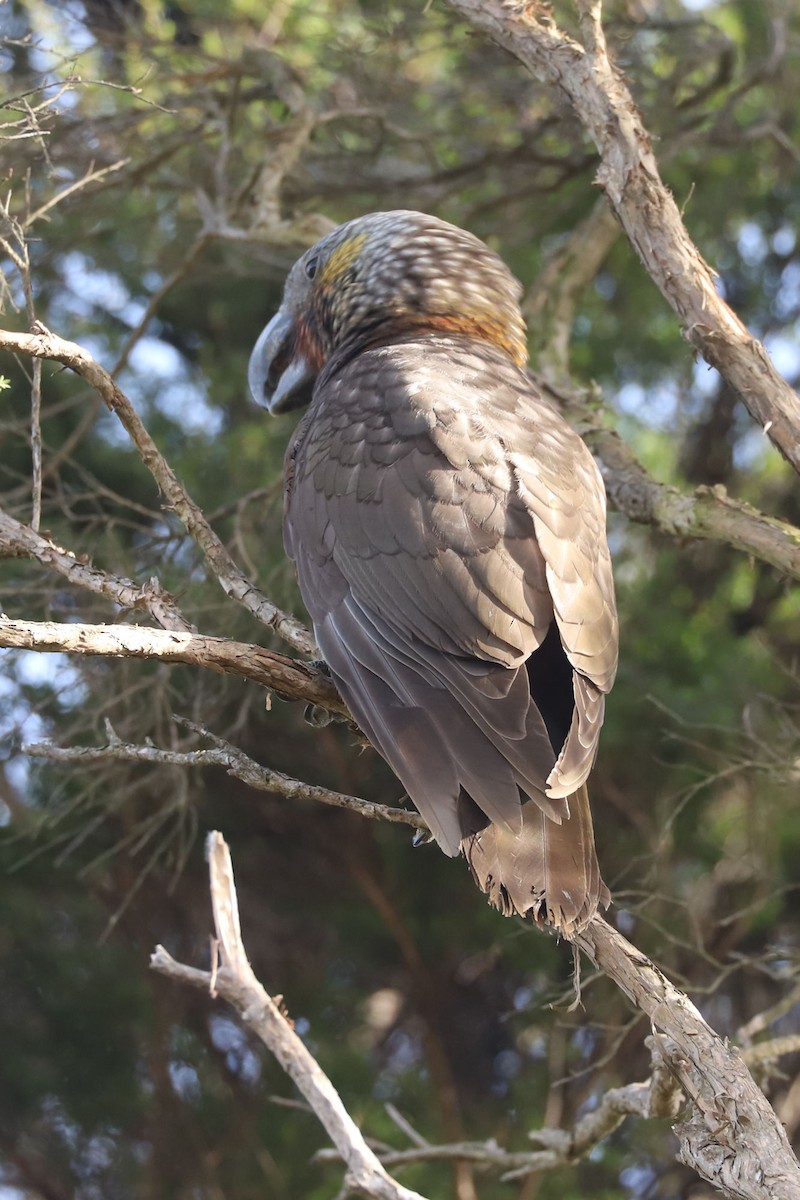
[(377, 278)]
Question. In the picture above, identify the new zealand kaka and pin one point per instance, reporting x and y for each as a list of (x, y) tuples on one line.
[(448, 529)]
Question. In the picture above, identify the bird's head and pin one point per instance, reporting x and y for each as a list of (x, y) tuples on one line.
[(377, 278)]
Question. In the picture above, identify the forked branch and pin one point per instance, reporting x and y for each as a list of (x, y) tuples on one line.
[(586, 77), (41, 343), (732, 1137), (235, 981)]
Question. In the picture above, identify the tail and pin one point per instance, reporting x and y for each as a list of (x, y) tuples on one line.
[(545, 870)]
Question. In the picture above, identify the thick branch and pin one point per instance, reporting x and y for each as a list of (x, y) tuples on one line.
[(288, 676), (644, 206), (237, 984), (733, 1138), (43, 344), (708, 514)]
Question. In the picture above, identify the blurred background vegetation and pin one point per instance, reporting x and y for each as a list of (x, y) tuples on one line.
[(218, 137)]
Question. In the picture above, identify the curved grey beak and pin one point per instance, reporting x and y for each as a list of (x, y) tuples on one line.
[(279, 378)]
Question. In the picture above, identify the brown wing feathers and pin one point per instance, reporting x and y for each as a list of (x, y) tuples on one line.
[(448, 529)]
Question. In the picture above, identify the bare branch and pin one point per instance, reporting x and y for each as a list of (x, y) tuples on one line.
[(236, 763), (561, 1147), (763, 1020), (90, 176), (729, 1108), (550, 303), (766, 1052), (733, 1138), (195, 252), (629, 176), (268, 221), (290, 677), (706, 514), (20, 541), (43, 344), (21, 260), (36, 444), (236, 983)]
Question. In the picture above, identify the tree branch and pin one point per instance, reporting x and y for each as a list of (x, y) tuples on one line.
[(562, 1147), (706, 514), (733, 1138), (236, 763), (20, 541), (550, 303), (43, 344), (629, 176), (289, 676), (236, 983)]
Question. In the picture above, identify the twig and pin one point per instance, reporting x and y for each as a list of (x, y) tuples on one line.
[(196, 250), (763, 1020), (91, 176), (43, 344), (236, 763), (237, 984), (36, 445), (629, 176), (21, 260), (561, 1147), (407, 1128)]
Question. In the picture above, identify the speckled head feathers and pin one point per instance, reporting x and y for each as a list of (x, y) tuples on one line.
[(382, 276)]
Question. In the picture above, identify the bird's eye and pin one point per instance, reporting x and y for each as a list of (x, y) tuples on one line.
[(311, 267)]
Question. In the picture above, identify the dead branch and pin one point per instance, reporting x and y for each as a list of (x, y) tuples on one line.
[(550, 303), (763, 1020), (21, 541), (236, 763), (290, 677), (585, 76), (562, 1148), (43, 344), (706, 514), (236, 983), (91, 175), (733, 1138)]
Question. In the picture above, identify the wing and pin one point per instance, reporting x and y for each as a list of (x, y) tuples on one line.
[(442, 516), (560, 484)]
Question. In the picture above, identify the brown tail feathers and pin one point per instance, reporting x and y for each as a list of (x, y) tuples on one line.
[(546, 871)]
